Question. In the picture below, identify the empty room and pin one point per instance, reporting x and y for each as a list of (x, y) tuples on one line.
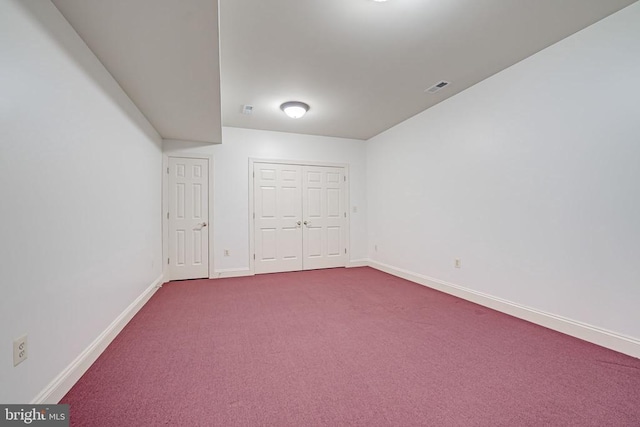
[(320, 213)]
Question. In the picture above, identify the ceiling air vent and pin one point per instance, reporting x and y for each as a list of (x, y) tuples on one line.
[(436, 87)]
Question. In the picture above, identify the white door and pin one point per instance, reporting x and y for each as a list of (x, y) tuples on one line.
[(278, 218), (324, 217), (299, 217), (188, 218)]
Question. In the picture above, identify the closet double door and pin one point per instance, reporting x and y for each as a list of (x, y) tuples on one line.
[(300, 217)]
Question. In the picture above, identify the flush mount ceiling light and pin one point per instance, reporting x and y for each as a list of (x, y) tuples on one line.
[(294, 109)]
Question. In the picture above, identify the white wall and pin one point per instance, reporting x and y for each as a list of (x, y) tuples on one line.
[(531, 178), (231, 174), (80, 192)]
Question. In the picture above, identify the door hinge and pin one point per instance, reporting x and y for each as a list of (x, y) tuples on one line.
[(254, 256), (345, 250), (254, 174), (345, 214), (167, 171), (167, 260), (167, 215), (254, 215), (344, 178)]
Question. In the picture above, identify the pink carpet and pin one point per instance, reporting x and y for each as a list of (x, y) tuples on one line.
[(345, 347)]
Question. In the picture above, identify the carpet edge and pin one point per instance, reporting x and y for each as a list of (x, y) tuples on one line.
[(231, 272), (226, 273), (66, 379), (593, 334)]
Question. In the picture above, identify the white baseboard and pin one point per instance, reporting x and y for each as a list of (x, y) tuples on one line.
[(364, 262), (232, 272), (243, 272), (592, 334), (61, 384)]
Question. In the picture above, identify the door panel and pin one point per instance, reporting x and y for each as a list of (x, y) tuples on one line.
[(324, 233), (188, 218), (278, 211), (334, 239)]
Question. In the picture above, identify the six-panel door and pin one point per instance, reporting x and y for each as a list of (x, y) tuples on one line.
[(278, 218), (188, 218), (324, 213)]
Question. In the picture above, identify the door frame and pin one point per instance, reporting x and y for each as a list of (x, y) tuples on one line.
[(165, 207), (347, 205)]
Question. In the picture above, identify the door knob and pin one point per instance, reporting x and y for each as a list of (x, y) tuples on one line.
[(307, 223), (298, 223), (204, 224)]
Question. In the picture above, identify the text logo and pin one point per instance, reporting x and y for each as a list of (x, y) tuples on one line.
[(34, 415)]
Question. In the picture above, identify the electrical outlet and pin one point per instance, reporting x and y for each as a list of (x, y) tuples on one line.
[(226, 252), (19, 350), (457, 263)]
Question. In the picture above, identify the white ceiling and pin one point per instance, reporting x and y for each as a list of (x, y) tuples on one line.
[(362, 66), (163, 53)]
